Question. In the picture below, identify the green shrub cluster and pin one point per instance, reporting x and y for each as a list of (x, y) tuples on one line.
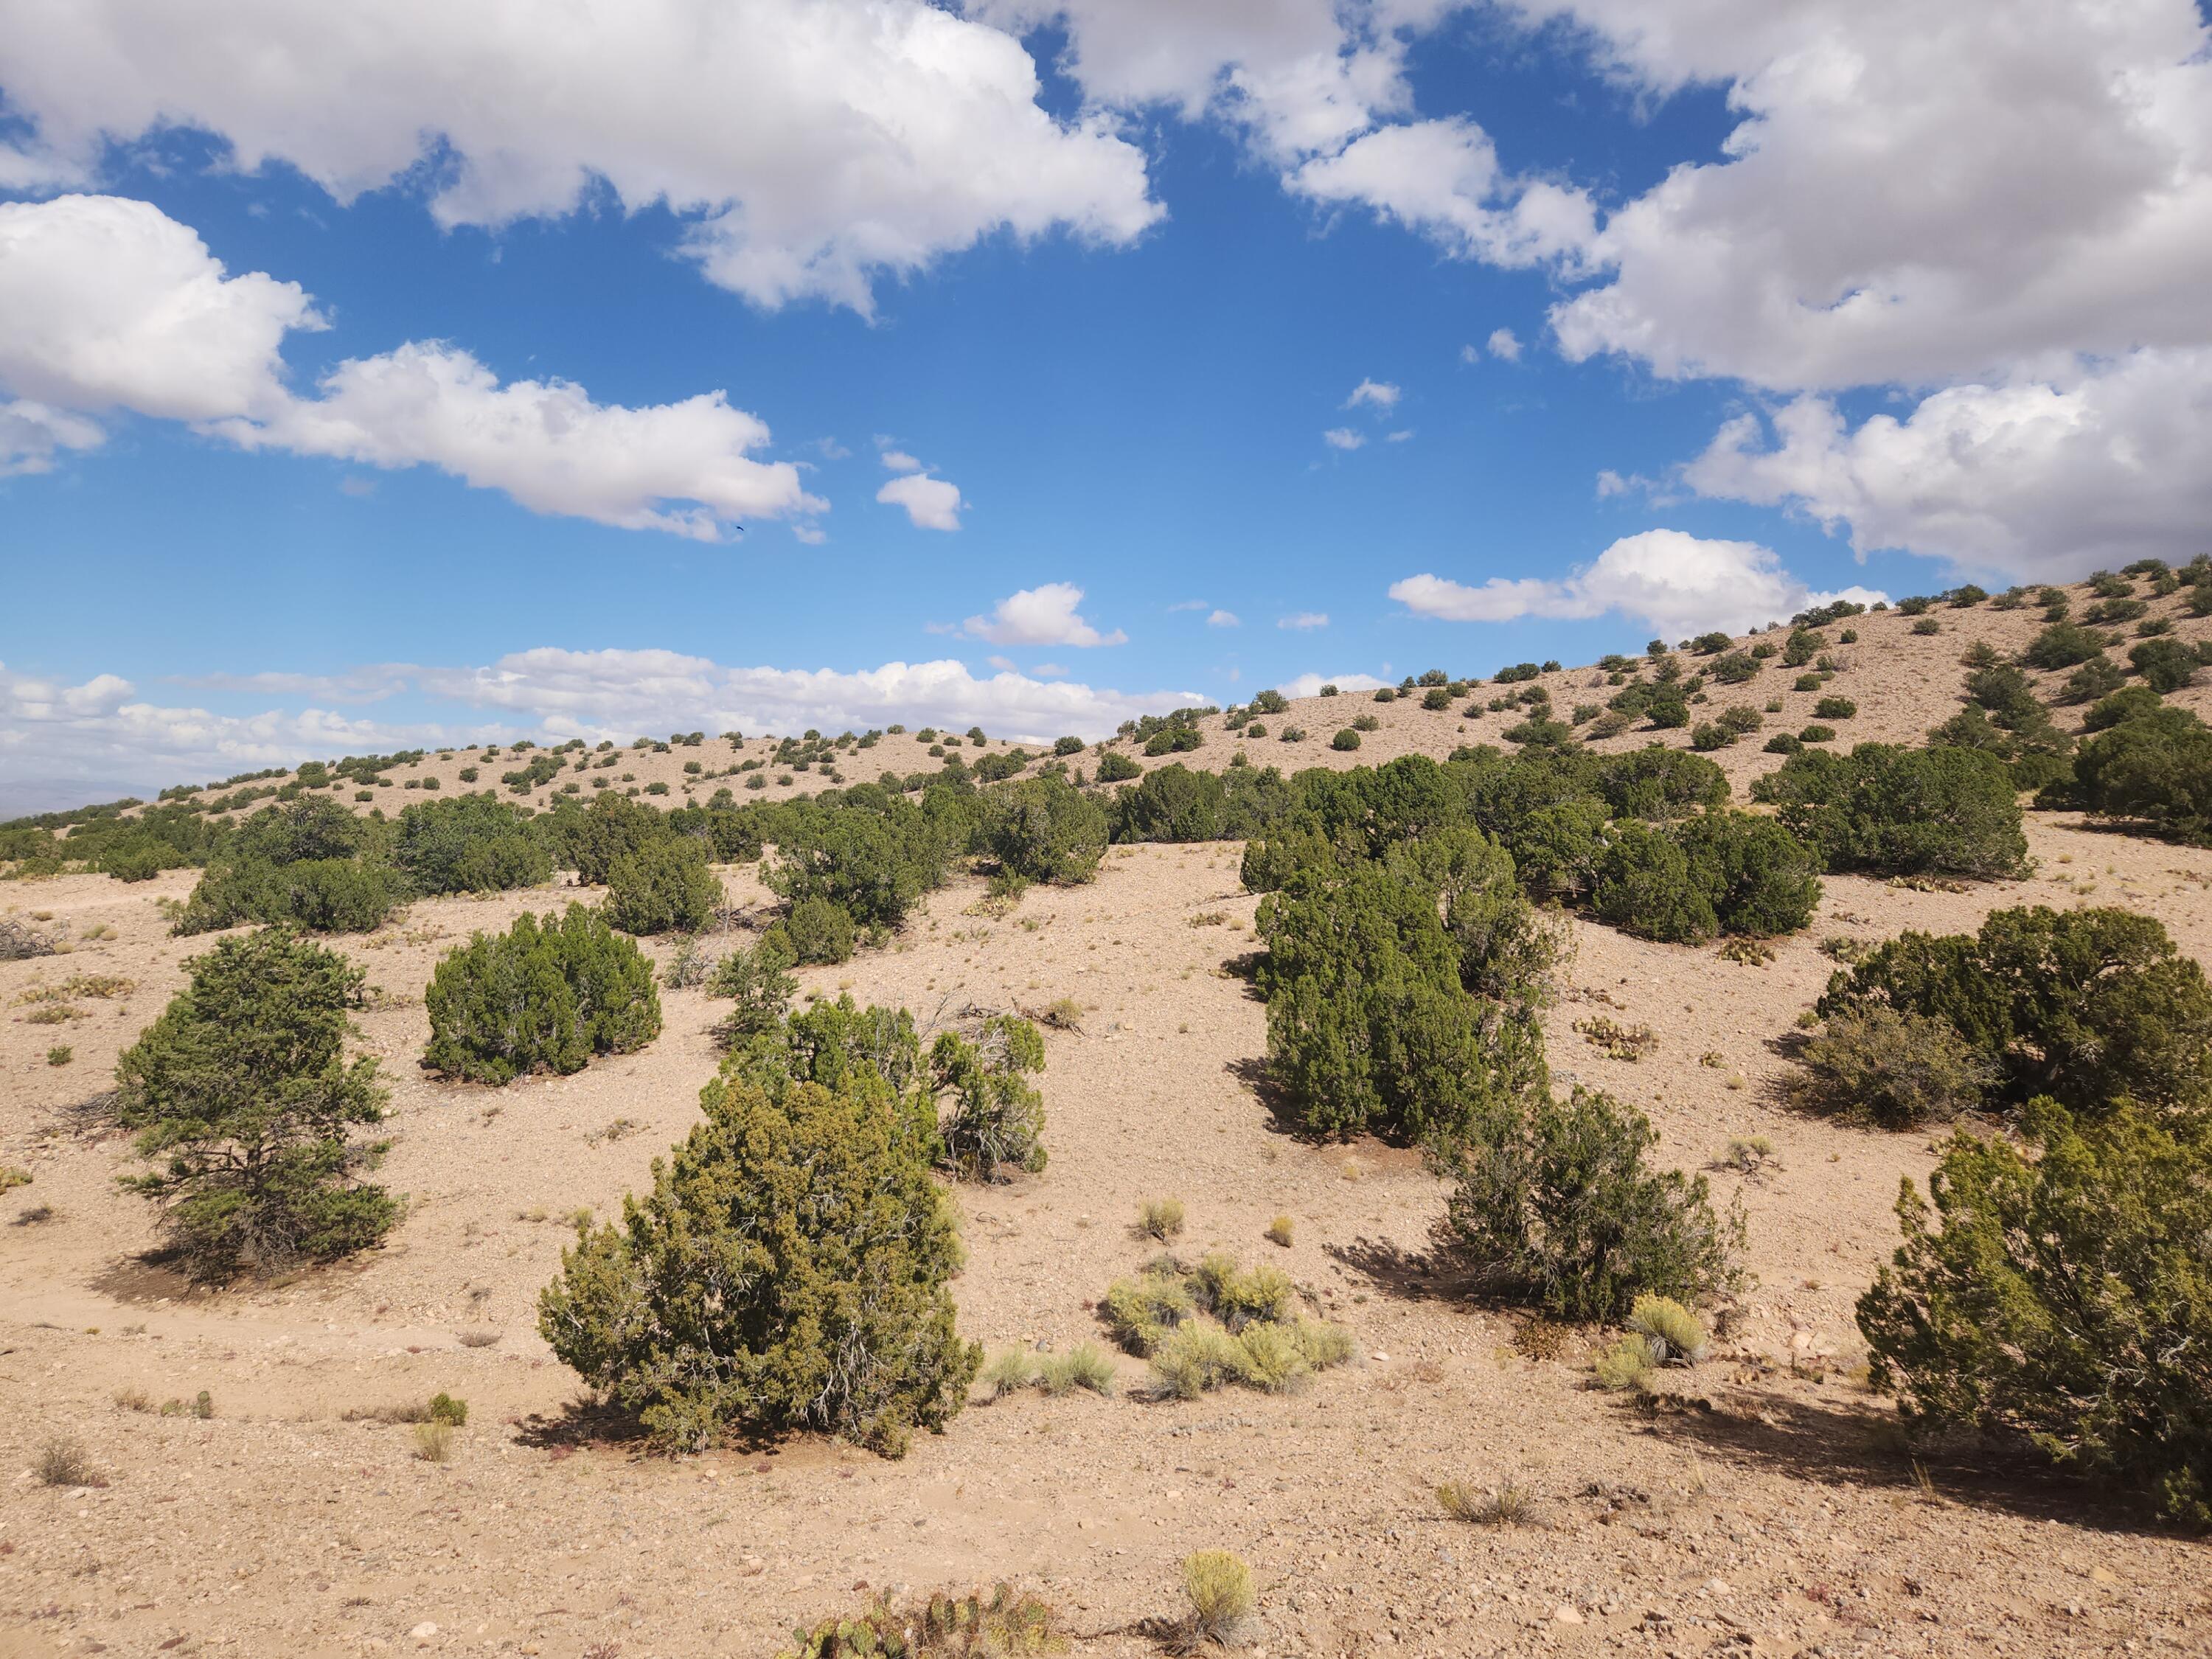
[(241, 1095), (787, 1271), (469, 844), (1372, 1024), (546, 995), (664, 887), (2151, 765), (1716, 873), (1173, 803), (1557, 1205), (970, 1105), (1044, 829), (2088, 1006), (2065, 1299), (1889, 811), (312, 863)]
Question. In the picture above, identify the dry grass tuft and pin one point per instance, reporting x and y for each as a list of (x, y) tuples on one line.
[(1508, 1504), (1160, 1219), (63, 1462)]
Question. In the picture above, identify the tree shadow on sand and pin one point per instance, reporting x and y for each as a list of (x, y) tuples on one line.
[(1437, 1273), (1832, 1443)]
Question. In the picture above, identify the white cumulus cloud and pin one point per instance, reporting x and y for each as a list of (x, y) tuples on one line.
[(805, 147), (1223, 619), (1343, 437), (1041, 616), (109, 305), (1380, 394), (2036, 479), (1303, 620), (1679, 583), (1913, 193), (1310, 685), (932, 503), (1505, 344)]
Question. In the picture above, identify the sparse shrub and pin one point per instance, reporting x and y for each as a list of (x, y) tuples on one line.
[(756, 980), (786, 1271), (1673, 1334), (1279, 1230), (1560, 1208), (1009, 1373), (1216, 1323), (1927, 625), (546, 995), (61, 1461), (1507, 1504), (1160, 1219), (1219, 1586), (663, 887), (2063, 1301), (434, 1441), (1623, 1363), (1084, 1366), (1346, 739), (1835, 709), (997, 1120), (444, 1408), (241, 1093), (1114, 767), (60, 1054), (1000, 1625), (1895, 1070), (1815, 732)]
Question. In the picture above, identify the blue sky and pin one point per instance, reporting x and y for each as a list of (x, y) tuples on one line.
[(1120, 317)]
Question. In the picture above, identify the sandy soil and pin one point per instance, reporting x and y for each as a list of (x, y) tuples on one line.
[(1765, 1505)]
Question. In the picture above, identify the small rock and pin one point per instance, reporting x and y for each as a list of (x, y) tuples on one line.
[(423, 1633), (1566, 1615)]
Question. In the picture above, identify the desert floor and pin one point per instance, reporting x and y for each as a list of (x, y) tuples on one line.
[(1764, 1504)]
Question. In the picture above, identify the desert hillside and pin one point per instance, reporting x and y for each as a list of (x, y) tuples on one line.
[(1762, 1500), (1904, 682)]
